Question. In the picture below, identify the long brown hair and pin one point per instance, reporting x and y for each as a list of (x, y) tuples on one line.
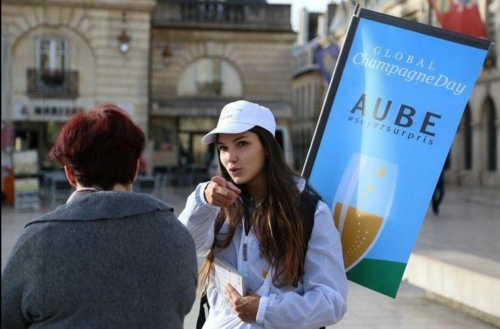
[(276, 222)]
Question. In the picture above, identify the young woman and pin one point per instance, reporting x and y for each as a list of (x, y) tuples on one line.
[(251, 215), (108, 258)]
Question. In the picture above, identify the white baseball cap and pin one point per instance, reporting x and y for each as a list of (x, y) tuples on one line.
[(241, 116)]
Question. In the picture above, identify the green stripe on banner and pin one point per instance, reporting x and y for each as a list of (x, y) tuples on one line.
[(379, 275)]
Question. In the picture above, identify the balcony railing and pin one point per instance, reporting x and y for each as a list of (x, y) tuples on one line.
[(212, 12), (53, 83), (222, 15), (209, 88), (303, 60)]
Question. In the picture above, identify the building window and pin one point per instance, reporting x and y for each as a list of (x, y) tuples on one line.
[(50, 76), (491, 135), (208, 76), (52, 54), (467, 138), (212, 77)]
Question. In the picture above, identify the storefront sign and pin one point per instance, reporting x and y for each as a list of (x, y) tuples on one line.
[(389, 119), (47, 110)]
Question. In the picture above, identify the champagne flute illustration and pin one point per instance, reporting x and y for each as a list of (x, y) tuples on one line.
[(362, 204)]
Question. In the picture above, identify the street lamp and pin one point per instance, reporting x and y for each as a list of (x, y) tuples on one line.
[(124, 37)]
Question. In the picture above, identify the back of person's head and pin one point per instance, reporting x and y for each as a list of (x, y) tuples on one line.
[(101, 146)]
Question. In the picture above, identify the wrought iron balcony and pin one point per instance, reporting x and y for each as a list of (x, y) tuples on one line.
[(303, 60), (52, 83), (212, 14), (209, 88)]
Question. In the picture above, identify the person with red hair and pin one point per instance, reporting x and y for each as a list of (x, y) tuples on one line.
[(108, 258)]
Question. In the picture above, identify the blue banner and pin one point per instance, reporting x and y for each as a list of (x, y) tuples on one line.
[(388, 122)]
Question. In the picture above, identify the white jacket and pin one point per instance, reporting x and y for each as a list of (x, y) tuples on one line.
[(318, 300)]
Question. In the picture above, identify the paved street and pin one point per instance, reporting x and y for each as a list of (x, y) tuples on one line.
[(469, 222)]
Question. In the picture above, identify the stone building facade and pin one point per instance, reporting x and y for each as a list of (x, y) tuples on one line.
[(474, 158), (205, 54), (189, 58), (60, 56)]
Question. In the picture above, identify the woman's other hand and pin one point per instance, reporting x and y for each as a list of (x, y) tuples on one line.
[(245, 307)]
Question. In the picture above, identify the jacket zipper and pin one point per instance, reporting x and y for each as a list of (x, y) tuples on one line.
[(245, 248)]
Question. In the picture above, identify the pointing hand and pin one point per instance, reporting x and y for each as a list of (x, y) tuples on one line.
[(221, 193)]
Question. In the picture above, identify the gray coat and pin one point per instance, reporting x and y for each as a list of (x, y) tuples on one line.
[(105, 260)]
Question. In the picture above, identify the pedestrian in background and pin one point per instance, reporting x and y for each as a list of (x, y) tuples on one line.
[(108, 258), (253, 216), (438, 195)]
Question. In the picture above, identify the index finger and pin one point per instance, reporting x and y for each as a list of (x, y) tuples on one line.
[(224, 183)]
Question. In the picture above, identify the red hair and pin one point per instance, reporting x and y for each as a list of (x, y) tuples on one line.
[(101, 147)]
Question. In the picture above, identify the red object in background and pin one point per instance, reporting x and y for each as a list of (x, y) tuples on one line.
[(460, 16), (8, 184), (8, 135)]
